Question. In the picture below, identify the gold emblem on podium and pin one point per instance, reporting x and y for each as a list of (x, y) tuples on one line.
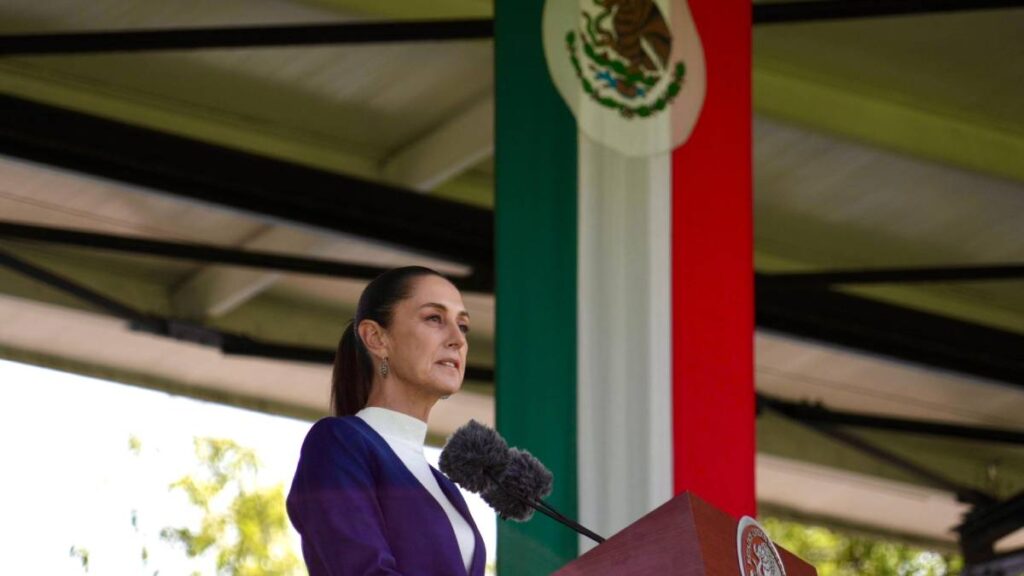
[(757, 553)]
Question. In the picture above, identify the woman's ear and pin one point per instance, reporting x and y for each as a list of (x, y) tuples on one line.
[(374, 338)]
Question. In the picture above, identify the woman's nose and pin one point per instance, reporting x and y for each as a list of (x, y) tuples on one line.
[(458, 338)]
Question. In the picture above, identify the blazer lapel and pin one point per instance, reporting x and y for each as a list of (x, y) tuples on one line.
[(476, 567)]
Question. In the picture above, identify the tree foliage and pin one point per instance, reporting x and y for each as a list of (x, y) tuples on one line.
[(82, 554), (244, 527), (837, 554)]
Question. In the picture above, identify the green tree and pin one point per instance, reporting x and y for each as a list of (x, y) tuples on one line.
[(835, 553), (82, 555), (244, 527)]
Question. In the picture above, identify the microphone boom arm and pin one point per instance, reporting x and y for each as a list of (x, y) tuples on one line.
[(549, 511)]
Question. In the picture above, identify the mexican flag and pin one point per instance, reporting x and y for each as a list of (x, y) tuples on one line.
[(624, 259)]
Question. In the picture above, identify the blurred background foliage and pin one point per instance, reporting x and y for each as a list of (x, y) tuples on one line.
[(243, 526), (835, 553)]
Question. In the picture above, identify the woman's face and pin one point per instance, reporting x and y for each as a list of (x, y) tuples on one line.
[(427, 337)]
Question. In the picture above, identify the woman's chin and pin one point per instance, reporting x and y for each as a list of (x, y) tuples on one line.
[(445, 382), (447, 387)]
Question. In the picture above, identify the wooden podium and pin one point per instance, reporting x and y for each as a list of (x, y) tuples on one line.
[(686, 536)]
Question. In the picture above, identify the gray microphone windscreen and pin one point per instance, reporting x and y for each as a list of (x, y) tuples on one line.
[(525, 479), (474, 455)]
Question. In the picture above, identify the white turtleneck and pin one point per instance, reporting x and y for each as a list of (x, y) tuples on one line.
[(406, 435)]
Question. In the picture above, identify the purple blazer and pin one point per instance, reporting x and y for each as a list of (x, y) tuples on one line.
[(361, 512)]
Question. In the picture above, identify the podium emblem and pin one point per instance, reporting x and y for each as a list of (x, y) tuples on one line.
[(757, 553)]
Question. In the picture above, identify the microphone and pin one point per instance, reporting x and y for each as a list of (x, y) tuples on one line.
[(474, 456), (511, 481)]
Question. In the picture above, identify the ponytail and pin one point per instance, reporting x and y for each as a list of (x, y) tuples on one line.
[(352, 375), (352, 378)]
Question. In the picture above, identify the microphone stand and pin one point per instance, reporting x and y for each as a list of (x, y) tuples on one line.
[(545, 508), (549, 511)]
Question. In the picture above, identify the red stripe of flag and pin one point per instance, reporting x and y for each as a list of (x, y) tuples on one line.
[(712, 275)]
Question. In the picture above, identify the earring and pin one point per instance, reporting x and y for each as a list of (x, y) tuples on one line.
[(384, 368)]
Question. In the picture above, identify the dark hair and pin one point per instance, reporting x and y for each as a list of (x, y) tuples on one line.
[(353, 367)]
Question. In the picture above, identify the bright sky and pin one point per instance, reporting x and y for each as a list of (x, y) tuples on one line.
[(69, 479)]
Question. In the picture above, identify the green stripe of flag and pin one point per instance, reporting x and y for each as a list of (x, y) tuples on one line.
[(536, 215)]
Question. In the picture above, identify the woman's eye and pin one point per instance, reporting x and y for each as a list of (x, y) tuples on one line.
[(464, 328), (433, 318)]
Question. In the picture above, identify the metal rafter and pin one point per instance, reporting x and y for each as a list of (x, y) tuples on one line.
[(248, 182), (210, 254), (998, 565), (963, 492), (412, 221), (54, 280), (824, 10), (185, 330), (344, 33), (825, 278), (984, 525), (818, 413), (895, 331)]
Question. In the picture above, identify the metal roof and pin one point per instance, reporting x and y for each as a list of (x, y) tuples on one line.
[(893, 142)]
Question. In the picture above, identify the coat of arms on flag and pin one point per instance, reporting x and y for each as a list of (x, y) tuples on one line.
[(632, 71)]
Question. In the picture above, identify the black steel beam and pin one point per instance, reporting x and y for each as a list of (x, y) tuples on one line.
[(825, 10), (186, 330), (342, 33), (826, 278), (58, 282), (985, 525), (1005, 564), (894, 331), (347, 33), (248, 182), (963, 492), (210, 254), (777, 308), (333, 202), (806, 412)]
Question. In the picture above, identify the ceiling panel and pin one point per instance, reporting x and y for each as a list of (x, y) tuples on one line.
[(968, 64), (842, 379), (367, 99), (36, 194), (823, 203)]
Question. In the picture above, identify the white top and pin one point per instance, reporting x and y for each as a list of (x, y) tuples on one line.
[(406, 435)]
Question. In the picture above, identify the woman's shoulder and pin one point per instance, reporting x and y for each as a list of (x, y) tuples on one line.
[(335, 423), (335, 453), (344, 431)]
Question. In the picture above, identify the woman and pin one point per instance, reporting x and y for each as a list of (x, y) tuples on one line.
[(364, 498)]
